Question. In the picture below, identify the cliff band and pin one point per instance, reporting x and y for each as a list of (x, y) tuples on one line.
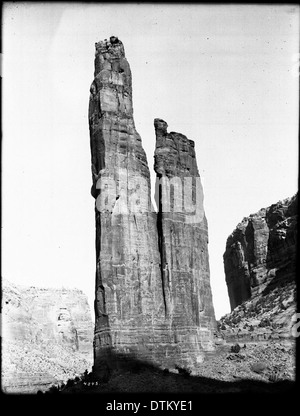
[(261, 252)]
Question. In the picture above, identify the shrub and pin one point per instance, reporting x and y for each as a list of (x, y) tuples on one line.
[(85, 375), (183, 371), (236, 320), (235, 348), (264, 322), (53, 389), (70, 383)]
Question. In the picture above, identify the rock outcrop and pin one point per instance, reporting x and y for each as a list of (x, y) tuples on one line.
[(261, 252), (136, 315), (47, 336), (260, 268)]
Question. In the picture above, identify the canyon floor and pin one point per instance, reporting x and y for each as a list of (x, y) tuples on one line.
[(261, 367), (27, 368)]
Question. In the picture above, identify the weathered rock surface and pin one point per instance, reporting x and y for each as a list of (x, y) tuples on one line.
[(271, 316), (183, 238), (47, 336), (131, 306), (261, 252), (260, 268)]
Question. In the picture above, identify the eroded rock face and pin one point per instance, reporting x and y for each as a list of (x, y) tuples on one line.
[(183, 237), (261, 252), (39, 314), (131, 306), (129, 302), (47, 336)]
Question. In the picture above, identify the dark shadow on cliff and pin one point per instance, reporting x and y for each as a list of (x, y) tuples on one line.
[(135, 376), (283, 277), (282, 252), (137, 382)]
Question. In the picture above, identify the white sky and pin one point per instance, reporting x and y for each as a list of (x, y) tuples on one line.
[(225, 76)]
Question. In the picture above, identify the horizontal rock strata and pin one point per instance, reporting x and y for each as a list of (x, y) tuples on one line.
[(132, 312), (183, 236), (261, 252), (47, 336)]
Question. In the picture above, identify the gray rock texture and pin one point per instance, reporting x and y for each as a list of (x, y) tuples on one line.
[(47, 336), (261, 252), (183, 236), (132, 304)]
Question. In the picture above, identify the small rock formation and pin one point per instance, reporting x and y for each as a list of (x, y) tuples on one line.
[(47, 336), (140, 312), (261, 252)]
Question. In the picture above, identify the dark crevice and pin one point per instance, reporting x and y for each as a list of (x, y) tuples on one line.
[(159, 226)]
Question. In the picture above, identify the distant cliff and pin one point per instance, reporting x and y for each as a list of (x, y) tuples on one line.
[(261, 252), (47, 336), (260, 268)]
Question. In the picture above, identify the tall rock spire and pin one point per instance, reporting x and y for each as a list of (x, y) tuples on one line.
[(183, 238), (132, 307), (128, 300)]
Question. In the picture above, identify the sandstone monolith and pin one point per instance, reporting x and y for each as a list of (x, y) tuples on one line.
[(132, 313)]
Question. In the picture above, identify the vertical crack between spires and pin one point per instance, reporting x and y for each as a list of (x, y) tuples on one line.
[(160, 245)]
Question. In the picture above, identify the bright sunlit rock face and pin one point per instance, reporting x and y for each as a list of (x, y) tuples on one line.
[(138, 311), (47, 336)]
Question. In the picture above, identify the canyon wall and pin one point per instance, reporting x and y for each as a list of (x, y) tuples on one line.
[(261, 252), (47, 336), (139, 313)]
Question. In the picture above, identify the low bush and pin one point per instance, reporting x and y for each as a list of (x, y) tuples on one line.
[(236, 320), (235, 348), (264, 322), (70, 383), (183, 371)]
